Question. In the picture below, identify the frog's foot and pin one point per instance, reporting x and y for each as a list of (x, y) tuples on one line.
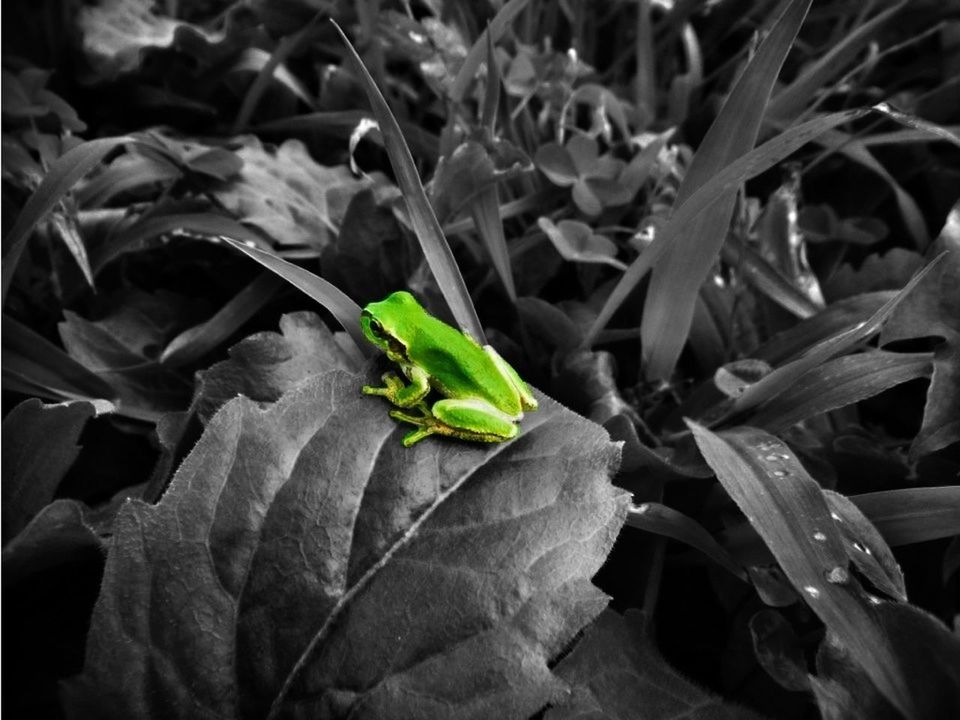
[(426, 422), (392, 385), (400, 394)]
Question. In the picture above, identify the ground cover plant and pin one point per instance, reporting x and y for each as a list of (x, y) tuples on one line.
[(719, 241)]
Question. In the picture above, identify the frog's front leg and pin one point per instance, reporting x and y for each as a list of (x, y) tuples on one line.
[(401, 395), (465, 419)]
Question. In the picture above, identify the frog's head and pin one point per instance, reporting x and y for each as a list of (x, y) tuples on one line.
[(392, 321)]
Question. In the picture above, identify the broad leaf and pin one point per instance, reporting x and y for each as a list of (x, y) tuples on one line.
[(576, 242), (889, 271), (302, 558), (123, 346), (115, 32), (52, 538), (616, 673), (40, 445), (288, 195), (934, 310), (264, 366)]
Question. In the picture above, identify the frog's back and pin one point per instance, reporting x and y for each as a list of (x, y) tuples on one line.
[(459, 367)]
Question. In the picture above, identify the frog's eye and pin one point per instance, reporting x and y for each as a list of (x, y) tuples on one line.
[(376, 328)]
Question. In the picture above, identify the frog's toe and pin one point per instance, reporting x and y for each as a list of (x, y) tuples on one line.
[(415, 436)]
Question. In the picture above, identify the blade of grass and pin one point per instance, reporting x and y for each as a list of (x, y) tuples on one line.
[(840, 382), (662, 520), (491, 95), (912, 515), (285, 48), (63, 174), (484, 209), (760, 273), (836, 318), (485, 205), (427, 229), (783, 377), (345, 310), (468, 70), (146, 228), (676, 278), (195, 342), (749, 165), (790, 102), (139, 171), (788, 510), (913, 135), (729, 179), (32, 359), (645, 81), (63, 223), (866, 547)]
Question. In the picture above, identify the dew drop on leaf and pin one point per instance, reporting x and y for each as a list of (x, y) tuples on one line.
[(838, 575)]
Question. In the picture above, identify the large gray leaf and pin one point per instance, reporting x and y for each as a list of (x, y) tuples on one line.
[(265, 365), (302, 544)]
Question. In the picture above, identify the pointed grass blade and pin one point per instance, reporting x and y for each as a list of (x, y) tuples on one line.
[(788, 510), (840, 382), (63, 174), (193, 343), (786, 375), (345, 310), (676, 279), (912, 515), (726, 181), (34, 364), (494, 31), (426, 227), (662, 520)]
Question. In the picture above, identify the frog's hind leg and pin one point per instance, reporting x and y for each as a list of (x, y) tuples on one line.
[(466, 419), (527, 400), (470, 419)]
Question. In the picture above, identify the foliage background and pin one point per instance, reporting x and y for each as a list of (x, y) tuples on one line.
[(198, 198)]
